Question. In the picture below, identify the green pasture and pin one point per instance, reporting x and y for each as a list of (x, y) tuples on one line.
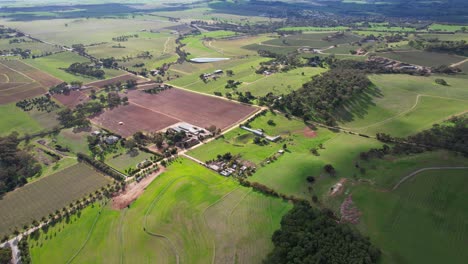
[(54, 65), (211, 212), (15, 119), (447, 28), (76, 141), (446, 37), (122, 159), (423, 221), (401, 105), (315, 40), (288, 174), (257, 84), (239, 141), (423, 58), (44, 196)]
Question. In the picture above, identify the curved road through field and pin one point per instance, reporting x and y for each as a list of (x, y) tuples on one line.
[(411, 175)]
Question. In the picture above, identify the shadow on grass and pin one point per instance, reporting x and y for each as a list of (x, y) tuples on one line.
[(357, 107)]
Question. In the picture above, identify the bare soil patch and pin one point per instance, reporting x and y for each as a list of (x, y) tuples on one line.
[(134, 118), (72, 99), (309, 133), (133, 191)]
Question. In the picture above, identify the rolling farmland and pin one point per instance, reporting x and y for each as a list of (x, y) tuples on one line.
[(209, 209)]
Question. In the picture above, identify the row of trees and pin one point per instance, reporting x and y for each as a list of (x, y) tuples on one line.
[(100, 166)]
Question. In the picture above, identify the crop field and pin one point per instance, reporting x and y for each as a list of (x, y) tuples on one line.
[(148, 112), (86, 31), (15, 119), (56, 63), (235, 46), (46, 195), (446, 37), (402, 105), (423, 58), (423, 221), (19, 81), (211, 211)]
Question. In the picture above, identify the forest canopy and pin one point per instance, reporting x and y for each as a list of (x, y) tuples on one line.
[(311, 236), (16, 165)]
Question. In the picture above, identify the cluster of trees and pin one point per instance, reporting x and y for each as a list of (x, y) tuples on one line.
[(16, 165), (5, 255), (451, 135), (231, 84), (318, 98), (158, 89), (64, 88), (435, 45), (280, 62), (85, 69), (69, 118), (100, 166), (308, 235), (24, 251), (24, 53), (124, 37), (42, 104)]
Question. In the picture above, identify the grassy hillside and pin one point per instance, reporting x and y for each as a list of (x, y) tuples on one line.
[(216, 220)]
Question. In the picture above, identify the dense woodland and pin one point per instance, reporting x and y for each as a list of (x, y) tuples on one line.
[(451, 135), (16, 165), (436, 45), (318, 98), (85, 69), (311, 236)]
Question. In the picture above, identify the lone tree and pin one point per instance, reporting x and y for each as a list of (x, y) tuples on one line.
[(329, 169), (441, 82)]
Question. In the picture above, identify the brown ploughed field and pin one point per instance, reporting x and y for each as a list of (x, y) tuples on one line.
[(153, 112), (19, 81), (197, 109), (134, 119), (72, 99)]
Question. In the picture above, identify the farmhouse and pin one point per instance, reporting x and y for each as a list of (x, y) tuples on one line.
[(111, 140)]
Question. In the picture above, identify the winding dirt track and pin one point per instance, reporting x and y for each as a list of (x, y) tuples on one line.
[(409, 176)]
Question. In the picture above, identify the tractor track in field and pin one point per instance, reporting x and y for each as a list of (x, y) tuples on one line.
[(411, 175), (88, 237), (154, 202)]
